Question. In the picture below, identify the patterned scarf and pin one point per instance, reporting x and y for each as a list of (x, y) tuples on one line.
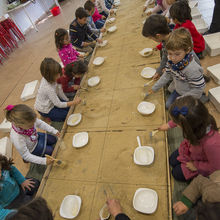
[(182, 64), (31, 132)]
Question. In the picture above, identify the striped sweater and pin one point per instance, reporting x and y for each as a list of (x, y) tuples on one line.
[(189, 81)]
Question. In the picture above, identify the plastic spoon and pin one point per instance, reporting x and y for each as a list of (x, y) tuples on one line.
[(139, 141)]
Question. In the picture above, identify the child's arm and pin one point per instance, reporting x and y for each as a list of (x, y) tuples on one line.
[(4, 212), (163, 62), (17, 175), (200, 187), (102, 2), (167, 126), (21, 147), (46, 127), (212, 152), (91, 34), (196, 80), (164, 79)]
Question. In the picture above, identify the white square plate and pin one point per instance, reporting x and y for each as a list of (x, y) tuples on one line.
[(93, 81), (148, 72), (144, 155), (74, 119), (80, 139), (70, 206), (146, 108), (145, 200)]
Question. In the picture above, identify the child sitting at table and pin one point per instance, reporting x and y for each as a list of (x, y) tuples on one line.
[(72, 70), (15, 189), (31, 145), (180, 13), (65, 49), (80, 34), (90, 8), (187, 75), (199, 152), (51, 102), (98, 19), (161, 6), (102, 9)]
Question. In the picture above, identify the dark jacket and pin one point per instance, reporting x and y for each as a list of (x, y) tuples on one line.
[(80, 33), (122, 217)]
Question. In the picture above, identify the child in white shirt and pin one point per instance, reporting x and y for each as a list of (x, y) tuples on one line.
[(30, 144)]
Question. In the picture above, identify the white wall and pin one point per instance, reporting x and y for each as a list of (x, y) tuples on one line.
[(35, 11)]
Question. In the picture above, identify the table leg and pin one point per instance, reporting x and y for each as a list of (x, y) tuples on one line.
[(33, 24)]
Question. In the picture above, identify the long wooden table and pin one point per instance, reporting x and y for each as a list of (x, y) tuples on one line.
[(110, 117)]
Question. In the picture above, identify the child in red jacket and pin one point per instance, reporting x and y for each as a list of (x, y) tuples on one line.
[(72, 70), (180, 12)]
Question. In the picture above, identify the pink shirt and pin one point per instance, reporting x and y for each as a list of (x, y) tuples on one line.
[(68, 54), (96, 16), (205, 156)]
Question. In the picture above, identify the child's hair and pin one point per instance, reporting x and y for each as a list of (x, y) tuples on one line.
[(77, 67), (155, 24), (49, 69), (5, 163), (35, 210), (208, 211), (60, 33), (20, 114), (179, 39), (89, 5), (193, 117), (81, 13), (180, 11)]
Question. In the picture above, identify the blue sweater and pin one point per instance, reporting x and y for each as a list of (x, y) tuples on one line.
[(9, 189)]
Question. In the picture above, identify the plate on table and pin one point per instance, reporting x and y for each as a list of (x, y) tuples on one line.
[(145, 200), (146, 52), (93, 81), (98, 61), (110, 20), (146, 108), (144, 155), (70, 206), (148, 72), (74, 119), (112, 29), (80, 139)]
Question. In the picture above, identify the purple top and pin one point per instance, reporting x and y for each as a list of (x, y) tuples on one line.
[(68, 54)]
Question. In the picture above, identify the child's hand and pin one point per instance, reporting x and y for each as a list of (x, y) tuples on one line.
[(149, 13), (164, 127), (86, 44), (81, 56), (191, 166), (155, 49), (114, 207), (111, 12), (145, 8), (156, 76), (76, 101), (57, 134), (100, 41), (103, 30), (27, 184), (49, 160), (76, 87), (180, 208), (168, 20), (103, 17)]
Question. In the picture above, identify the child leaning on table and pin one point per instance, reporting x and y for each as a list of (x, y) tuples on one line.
[(181, 67), (72, 70), (90, 8), (51, 102), (65, 49), (80, 34), (31, 145), (199, 152)]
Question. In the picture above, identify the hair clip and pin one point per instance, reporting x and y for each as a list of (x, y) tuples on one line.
[(183, 111), (9, 107)]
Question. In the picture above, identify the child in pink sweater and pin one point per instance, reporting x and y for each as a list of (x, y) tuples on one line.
[(199, 152), (65, 49)]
